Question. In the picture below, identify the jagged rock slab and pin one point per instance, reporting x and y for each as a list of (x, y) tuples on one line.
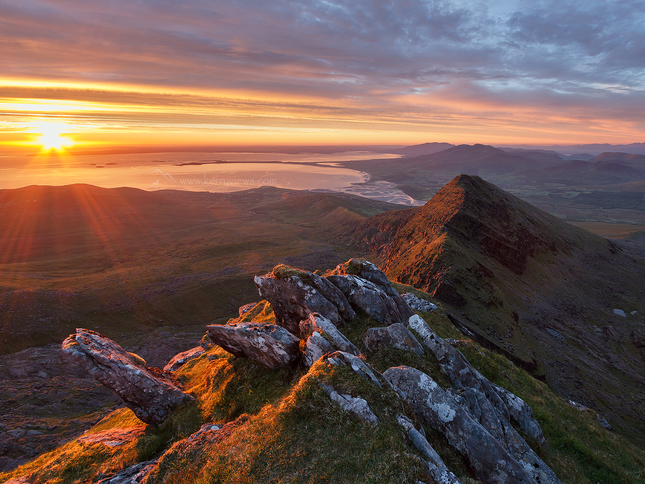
[(318, 323), (294, 295), (268, 344), (482, 410), (436, 467), (355, 405), (456, 367), (395, 336), (490, 461), (131, 475), (366, 296), (368, 271), (463, 376), (147, 391), (184, 357), (315, 347), (417, 303), (521, 413)]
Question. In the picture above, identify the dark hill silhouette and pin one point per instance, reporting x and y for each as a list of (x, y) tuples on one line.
[(528, 284)]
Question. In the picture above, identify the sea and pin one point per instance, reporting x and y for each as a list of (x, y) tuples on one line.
[(203, 171)]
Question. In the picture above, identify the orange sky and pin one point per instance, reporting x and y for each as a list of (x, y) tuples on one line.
[(319, 73)]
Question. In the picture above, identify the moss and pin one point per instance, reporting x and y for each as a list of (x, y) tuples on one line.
[(283, 271)]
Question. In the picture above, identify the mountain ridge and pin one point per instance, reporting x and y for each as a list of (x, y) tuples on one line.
[(528, 284)]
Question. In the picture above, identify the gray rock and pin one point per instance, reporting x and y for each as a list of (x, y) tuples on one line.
[(490, 461), (436, 467), (417, 303), (395, 336), (147, 391), (295, 297), (182, 358), (357, 365), (131, 475), (272, 346), (318, 323), (482, 410), (368, 271), (456, 367), (354, 405), (315, 347), (521, 413), (366, 296)]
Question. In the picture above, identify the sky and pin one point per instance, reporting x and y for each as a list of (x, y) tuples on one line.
[(258, 72)]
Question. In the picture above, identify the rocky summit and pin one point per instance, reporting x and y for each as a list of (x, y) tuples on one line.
[(565, 304), (466, 414)]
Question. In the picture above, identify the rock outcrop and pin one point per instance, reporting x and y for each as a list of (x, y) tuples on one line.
[(268, 344), (317, 323), (150, 393), (395, 336), (295, 294), (490, 461)]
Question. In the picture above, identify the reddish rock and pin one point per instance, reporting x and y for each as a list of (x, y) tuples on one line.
[(147, 391)]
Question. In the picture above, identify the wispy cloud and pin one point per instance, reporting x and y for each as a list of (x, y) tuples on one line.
[(409, 64)]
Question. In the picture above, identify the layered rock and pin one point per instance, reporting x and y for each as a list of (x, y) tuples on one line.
[(490, 461), (150, 393), (417, 303), (294, 295), (268, 344), (464, 377), (368, 298), (395, 336), (436, 467), (317, 323), (369, 272)]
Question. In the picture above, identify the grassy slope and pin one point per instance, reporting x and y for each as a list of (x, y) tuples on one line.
[(294, 433), (123, 261), (528, 284)]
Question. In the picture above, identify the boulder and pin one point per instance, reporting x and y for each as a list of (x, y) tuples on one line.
[(490, 461), (368, 271), (521, 413), (369, 298), (417, 303), (318, 323), (150, 393), (395, 336), (354, 405), (268, 344), (294, 295), (315, 347)]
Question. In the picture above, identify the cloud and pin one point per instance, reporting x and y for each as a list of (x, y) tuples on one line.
[(335, 59)]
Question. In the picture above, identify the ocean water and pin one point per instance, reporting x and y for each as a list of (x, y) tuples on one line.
[(212, 172)]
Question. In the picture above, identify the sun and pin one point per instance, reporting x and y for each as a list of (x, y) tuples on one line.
[(51, 137)]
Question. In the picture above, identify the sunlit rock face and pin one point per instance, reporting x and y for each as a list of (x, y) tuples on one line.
[(150, 393), (268, 344)]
